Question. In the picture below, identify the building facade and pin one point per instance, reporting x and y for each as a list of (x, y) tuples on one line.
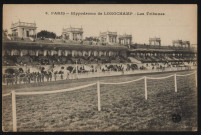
[(45, 49), (186, 44), (23, 29), (155, 41), (125, 39), (177, 43), (180, 43), (108, 37), (72, 34)]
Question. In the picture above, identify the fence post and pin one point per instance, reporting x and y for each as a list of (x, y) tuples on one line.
[(175, 82), (14, 111), (98, 92), (145, 86)]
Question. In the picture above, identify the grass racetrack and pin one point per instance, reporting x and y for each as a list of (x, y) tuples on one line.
[(123, 107)]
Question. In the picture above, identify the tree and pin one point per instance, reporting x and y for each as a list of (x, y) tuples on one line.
[(46, 34), (92, 39)]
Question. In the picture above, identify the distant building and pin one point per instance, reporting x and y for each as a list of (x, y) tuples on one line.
[(108, 37), (177, 43), (125, 39), (72, 33), (186, 44), (155, 41), (23, 29), (180, 43)]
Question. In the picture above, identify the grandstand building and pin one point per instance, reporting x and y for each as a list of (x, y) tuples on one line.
[(72, 33), (125, 39), (155, 41), (43, 52), (23, 29), (180, 43), (108, 37), (14, 48), (154, 54)]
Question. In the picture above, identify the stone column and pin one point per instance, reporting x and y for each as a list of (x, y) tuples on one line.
[(71, 36), (83, 53), (95, 53), (52, 52), (107, 38), (36, 53), (21, 53), (100, 53), (66, 53), (73, 53), (110, 53), (89, 53), (105, 53), (12, 52), (59, 52), (45, 53)]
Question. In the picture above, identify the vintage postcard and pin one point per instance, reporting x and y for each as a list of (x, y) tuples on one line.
[(99, 67)]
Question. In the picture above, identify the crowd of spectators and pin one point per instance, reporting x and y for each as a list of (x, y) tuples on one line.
[(148, 59), (59, 60), (27, 77), (19, 76)]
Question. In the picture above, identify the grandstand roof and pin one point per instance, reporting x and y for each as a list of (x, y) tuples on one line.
[(56, 46), (154, 48), (151, 50), (158, 50)]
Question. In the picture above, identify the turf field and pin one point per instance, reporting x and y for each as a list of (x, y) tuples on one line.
[(123, 107)]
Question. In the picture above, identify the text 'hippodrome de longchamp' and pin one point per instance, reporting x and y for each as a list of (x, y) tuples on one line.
[(91, 13)]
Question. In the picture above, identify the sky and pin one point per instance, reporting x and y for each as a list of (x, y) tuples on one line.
[(179, 21)]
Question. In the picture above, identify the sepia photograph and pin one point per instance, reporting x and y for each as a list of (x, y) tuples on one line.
[(99, 67)]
